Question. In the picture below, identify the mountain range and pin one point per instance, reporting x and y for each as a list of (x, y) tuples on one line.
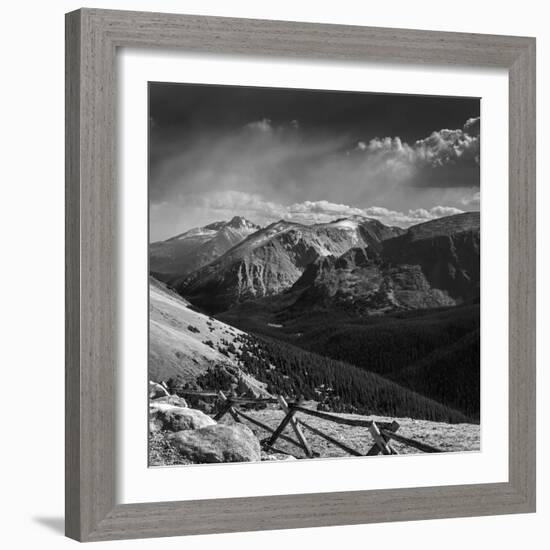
[(433, 264), (353, 261), (271, 260), (318, 300)]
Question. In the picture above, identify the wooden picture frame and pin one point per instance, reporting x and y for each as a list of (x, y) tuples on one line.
[(92, 39)]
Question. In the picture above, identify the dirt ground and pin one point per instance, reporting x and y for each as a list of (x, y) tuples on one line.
[(447, 437)]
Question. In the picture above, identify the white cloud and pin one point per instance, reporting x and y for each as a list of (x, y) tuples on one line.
[(324, 211), (324, 207), (411, 217), (263, 125), (229, 203), (262, 166), (447, 146), (438, 149)]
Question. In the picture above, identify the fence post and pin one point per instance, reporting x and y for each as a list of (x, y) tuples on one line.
[(393, 428), (281, 428), (297, 430), (227, 407), (381, 445), (267, 428)]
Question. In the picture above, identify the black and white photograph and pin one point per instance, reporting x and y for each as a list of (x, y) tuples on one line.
[(314, 274), (271, 275)]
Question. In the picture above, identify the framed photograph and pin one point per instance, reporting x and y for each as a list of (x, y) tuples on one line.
[(300, 275)]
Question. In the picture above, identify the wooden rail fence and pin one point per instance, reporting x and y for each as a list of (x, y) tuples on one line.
[(382, 433)]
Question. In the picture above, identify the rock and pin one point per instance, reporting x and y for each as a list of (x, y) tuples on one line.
[(250, 387), (171, 400), (156, 390), (163, 416), (220, 443), (277, 456)]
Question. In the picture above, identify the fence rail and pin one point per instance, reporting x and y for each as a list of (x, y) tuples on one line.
[(382, 433), (411, 442), (339, 419)]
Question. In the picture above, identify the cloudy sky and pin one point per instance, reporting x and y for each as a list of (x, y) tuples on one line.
[(308, 156)]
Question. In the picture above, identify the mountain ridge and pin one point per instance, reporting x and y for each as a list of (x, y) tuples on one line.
[(272, 259), (196, 247), (433, 264)]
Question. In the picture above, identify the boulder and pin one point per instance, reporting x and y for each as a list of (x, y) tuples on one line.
[(171, 400), (220, 443), (277, 456), (163, 416), (250, 387)]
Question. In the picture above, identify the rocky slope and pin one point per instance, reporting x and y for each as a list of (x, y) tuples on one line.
[(182, 435), (186, 343), (197, 247), (271, 260)]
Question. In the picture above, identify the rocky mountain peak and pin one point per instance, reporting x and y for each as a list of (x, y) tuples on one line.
[(215, 226), (197, 247), (238, 222)]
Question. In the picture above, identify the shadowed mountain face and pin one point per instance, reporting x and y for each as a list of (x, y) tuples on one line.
[(356, 263), (197, 247), (431, 265), (271, 260), (447, 251)]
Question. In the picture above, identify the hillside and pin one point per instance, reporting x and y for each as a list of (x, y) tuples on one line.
[(184, 343), (366, 285), (448, 374), (336, 385), (434, 264), (189, 346), (434, 352), (447, 250)]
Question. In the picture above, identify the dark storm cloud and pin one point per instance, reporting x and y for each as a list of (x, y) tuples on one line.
[(272, 153)]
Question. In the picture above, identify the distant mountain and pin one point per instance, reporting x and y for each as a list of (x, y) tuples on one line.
[(272, 259), (447, 250), (184, 253), (368, 286), (433, 264)]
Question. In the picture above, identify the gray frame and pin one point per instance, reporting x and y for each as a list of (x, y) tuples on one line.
[(92, 38)]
